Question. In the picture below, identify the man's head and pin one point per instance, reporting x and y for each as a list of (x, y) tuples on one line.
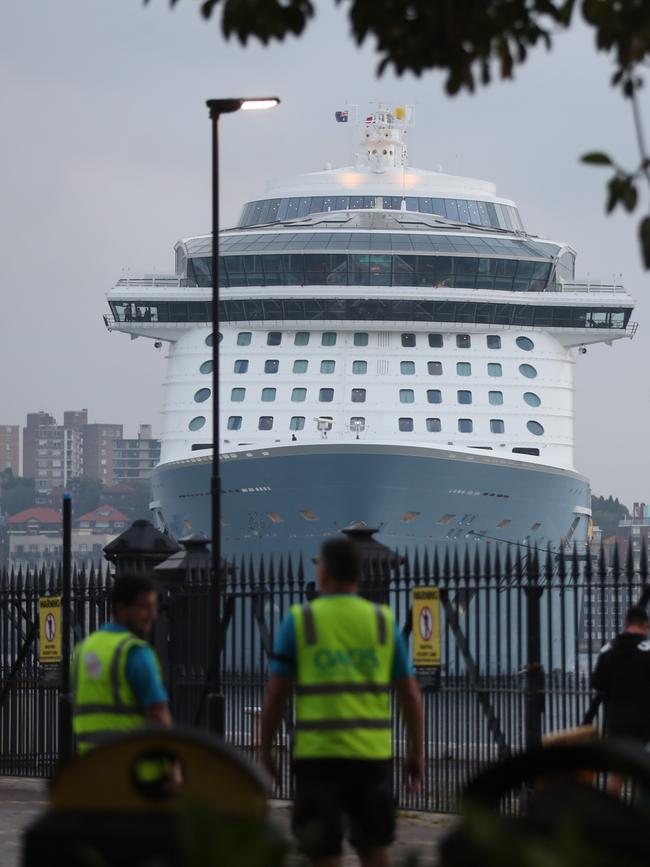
[(135, 603), (339, 566), (636, 620)]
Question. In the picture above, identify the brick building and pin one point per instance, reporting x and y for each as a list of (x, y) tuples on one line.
[(10, 448)]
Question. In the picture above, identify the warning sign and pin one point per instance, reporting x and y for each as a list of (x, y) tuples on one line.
[(49, 625), (426, 627)]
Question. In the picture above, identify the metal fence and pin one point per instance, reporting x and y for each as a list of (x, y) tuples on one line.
[(520, 633)]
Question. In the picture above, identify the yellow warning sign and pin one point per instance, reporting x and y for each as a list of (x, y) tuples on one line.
[(49, 627), (426, 627)]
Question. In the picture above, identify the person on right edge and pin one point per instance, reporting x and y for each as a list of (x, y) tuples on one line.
[(622, 679), (344, 655)]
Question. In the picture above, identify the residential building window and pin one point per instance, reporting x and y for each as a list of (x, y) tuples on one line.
[(265, 422), (493, 341), (408, 340), (433, 425), (326, 395), (407, 368), (435, 341), (298, 395), (497, 426), (463, 341), (525, 343), (434, 368), (406, 395), (358, 395), (327, 366), (361, 338), (241, 365), (234, 422), (531, 398), (301, 339), (328, 338), (271, 365), (268, 394), (274, 338), (465, 425), (463, 368), (237, 394), (244, 338), (202, 395), (434, 395), (528, 371), (494, 369), (406, 425), (535, 428), (197, 423), (359, 367), (297, 422), (300, 365), (495, 398), (464, 396)]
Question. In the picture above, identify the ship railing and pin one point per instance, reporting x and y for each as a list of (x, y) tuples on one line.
[(153, 280), (588, 286)]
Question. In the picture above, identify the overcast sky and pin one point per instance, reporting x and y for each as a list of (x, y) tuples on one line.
[(104, 156)]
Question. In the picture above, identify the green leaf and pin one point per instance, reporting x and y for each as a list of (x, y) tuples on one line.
[(629, 196), (644, 236), (596, 158)]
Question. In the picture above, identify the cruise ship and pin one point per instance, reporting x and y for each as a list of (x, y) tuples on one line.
[(396, 349)]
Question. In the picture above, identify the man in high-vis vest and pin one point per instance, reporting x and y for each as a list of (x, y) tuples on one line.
[(116, 675), (344, 655)]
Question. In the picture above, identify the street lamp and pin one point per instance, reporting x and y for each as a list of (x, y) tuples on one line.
[(216, 707)]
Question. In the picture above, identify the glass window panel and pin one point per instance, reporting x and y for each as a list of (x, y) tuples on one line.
[(497, 426), (244, 338), (327, 366), (435, 341), (451, 208), (434, 395), (271, 365), (357, 423), (328, 338), (434, 368), (535, 428), (208, 340), (241, 365), (202, 395), (438, 207), (361, 338), (237, 394), (463, 368), (326, 395), (464, 396), (473, 213), (407, 368), (494, 369), (433, 425), (525, 343), (197, 422), (268, 394), (358, 395), (265, 422), (465, 425), (297, 422), (408, 340), (206, 367), (300, 365), (301, 338), (406, 395), (463, 341), (493, 341), (463, 211), (234, 422), (406, 424), (495, 397), (528, 371), (274, 338), (359, 366), (298, 395), (532, 399)]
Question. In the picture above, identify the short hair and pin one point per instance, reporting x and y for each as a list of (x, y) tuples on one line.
[(342, 559), (128, 586), (636, 616)]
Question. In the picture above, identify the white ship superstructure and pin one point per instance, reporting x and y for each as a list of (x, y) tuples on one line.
[(395, 349)]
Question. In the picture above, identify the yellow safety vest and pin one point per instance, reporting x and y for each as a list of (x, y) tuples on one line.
[(104, 703), (345, 648)]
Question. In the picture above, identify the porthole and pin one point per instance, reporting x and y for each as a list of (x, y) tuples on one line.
[(528, 371), (209, 339), (202, 394), (525, 343), (206, 367), (531, 398), (535, 428), (197, 422)]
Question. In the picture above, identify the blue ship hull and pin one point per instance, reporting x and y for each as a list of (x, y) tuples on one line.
[(288, 499)]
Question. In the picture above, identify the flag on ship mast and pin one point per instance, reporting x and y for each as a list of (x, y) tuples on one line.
[(341, 116)]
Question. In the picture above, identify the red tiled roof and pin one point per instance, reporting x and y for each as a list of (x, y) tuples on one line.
[(103, 512), (42, 514)]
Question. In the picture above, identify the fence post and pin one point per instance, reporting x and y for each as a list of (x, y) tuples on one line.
[(534, 670), (65, 696)]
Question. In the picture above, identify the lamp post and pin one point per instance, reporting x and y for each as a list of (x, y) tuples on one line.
[(215, 703)]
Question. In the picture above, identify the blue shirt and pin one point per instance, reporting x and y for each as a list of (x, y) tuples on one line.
[(142, 672), (284, 652)]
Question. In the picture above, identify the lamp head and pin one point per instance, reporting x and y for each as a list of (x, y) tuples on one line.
[(227, 106)]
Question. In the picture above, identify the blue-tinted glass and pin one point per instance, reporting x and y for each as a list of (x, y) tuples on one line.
[(434, 395), (494, 369), (300, 365), (497, 426), (525, 343), (361, 338), (495, 397), (463, 341), (244, 338), (463, 368), (528, 371), (268, 394), (434, 368), (206, 367), (265, 422), (535, 428), (407, 368), (438, 207), (241, 365), (463, 211), (197, 423), (357, 423), (326, 395), (358, 395), (297, 422), (433, 425), (451, 207), (408, 340), (406, 424), (493, 341), (532, 399), (274, 338), (327, 366), (202, 395), (406, 395), (464, 396), (359, 366), (234, 422), (301, 338), (328, 338), (298, 395), (435, 341), (465, 425), (271, 365), (237, 394), (473, 213)]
